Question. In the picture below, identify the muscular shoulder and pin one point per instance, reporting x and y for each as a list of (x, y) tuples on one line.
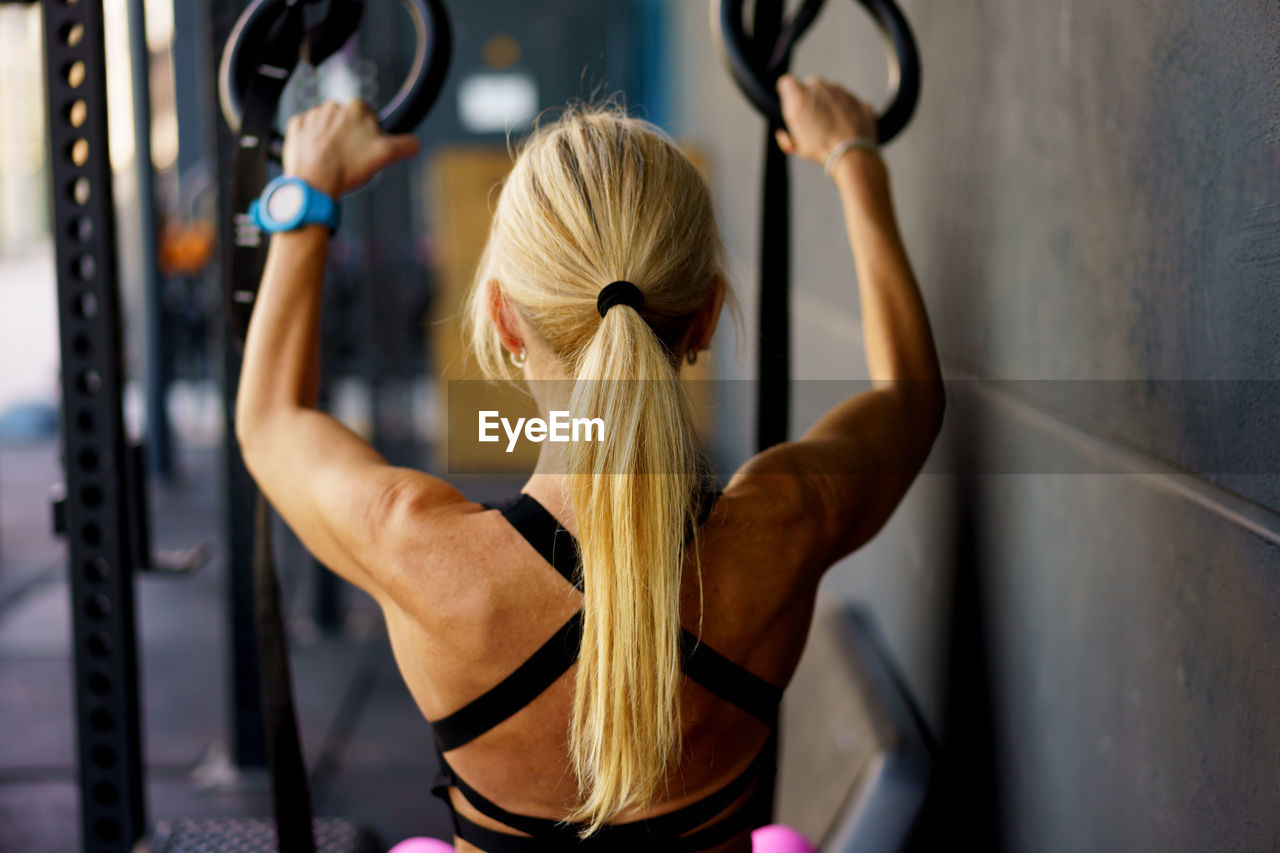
[(770, 531), (428, 534), (775, 492), (454, 566)]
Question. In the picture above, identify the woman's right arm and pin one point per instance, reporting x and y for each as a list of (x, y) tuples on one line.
[(855, 464)]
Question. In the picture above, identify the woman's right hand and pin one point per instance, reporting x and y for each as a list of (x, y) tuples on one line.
[(819, 116)]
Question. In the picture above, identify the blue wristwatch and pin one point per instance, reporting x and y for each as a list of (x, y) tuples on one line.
[(288, 203)]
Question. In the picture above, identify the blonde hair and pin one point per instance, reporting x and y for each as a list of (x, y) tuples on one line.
[(595, 197)]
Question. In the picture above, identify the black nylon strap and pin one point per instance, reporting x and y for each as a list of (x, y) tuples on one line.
[(731, 682), (773, 402), (556, 544), (249, 165), (744, 817), (290, 785), (792, 29), (327, 37), (518, 689), (547, 536), (541, 828), (493, 841), (667, 831), (663, 827), (772, 41)]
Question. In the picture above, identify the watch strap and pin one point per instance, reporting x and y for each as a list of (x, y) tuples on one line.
[(321, 209), (318, 208)]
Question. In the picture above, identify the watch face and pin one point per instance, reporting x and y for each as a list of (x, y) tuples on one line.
[(285, 203)]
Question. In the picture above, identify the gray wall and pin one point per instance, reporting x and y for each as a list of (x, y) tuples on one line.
[(1084, 593)]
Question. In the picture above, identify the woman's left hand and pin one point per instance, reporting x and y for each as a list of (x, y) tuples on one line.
[(337, 148)]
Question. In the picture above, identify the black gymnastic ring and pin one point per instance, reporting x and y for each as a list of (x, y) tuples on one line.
[(757, 84), (401, 114)]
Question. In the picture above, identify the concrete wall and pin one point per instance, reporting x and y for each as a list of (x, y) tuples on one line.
[(1085, 593)]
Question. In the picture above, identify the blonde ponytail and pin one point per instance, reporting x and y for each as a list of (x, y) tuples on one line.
[(595, 197), (632, 498)]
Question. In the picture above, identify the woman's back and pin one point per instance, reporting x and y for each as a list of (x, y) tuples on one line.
[(452, 645)]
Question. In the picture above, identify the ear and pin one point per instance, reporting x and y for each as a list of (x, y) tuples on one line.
[(703, 327), (504, 319)]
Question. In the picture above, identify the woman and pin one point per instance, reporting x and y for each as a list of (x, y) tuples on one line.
[(603, 267)]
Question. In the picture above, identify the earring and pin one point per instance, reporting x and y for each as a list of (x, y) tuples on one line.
[(691, 356), (517, 360)]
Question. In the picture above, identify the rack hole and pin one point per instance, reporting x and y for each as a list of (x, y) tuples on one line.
[(84, 421), (99, 683), (78, 112), (74, 74), (91, 496), (82, 344), (73, 34), (81, 228), (78, 151), (85, 268), (89, 381), (89, 459), (98, 606), (80, 191), (87, 306), (97, 569)]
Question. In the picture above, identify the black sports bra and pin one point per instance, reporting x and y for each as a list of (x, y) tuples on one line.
[(668, 832)]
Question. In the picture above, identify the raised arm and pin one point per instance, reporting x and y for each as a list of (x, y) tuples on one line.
[(335, 491), (851, 468)]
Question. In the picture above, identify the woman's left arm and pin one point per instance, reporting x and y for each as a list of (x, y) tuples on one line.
[(336, 492)]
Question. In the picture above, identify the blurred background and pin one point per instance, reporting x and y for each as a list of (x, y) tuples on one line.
[(1081, 595)]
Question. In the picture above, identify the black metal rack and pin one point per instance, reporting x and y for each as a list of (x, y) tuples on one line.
[(97, 457)]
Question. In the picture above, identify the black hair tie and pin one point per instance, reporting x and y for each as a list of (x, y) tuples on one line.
[(619, 293)]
